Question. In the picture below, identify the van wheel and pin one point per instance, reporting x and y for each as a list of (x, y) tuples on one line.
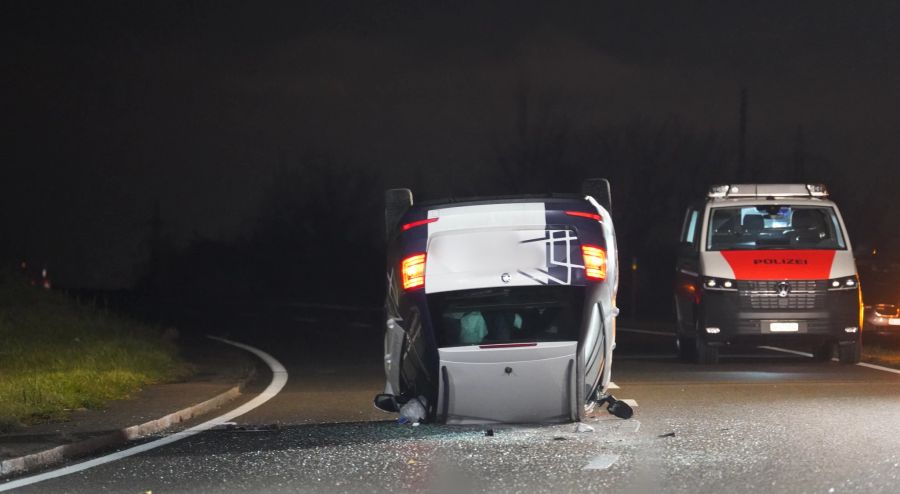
[(685, 348), (850, 354), (824, 352), (705, 354)]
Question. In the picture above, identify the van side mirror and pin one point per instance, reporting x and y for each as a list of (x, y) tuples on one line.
[(686, 249)]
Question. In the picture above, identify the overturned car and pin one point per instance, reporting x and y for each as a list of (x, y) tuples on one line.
[(500, 310)]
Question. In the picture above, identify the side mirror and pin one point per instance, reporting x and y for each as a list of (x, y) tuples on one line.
[(686, 249), (386, 403)]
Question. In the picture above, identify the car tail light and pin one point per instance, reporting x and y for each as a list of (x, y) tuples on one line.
[(414, 224), (582, 214), (594, 262), (412, 271)]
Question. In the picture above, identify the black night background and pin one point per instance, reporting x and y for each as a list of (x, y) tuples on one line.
[(201, 152)]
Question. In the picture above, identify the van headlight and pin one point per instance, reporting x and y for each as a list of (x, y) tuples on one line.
[(845, 283), (719, 284)]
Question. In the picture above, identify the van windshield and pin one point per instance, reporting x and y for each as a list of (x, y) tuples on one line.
[(770, 226), (507, 315)]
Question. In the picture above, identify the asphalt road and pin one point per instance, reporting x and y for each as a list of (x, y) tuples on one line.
[(761, 421)]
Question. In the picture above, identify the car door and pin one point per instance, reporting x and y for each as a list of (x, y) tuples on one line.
[(687, 269)]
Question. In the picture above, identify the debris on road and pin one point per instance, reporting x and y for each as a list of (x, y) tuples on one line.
[(582, 427), (413, 411)]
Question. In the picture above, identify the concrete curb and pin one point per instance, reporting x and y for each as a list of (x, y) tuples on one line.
[(120, 437)]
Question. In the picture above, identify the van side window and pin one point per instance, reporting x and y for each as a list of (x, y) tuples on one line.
[(690, 228)]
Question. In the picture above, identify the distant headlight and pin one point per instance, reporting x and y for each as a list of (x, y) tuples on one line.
[(845, 283), (719, 284)]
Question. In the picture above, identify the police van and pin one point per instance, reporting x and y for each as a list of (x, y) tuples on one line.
[(500, 310), (767, 264)]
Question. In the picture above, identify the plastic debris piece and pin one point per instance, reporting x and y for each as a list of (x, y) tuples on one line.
[(582, 427), (668, 434), (601, 462), (413, 411)]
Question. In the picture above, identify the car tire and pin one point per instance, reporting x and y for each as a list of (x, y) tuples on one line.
[(685, 348), (850, 354), (824, 352), (704, 353)]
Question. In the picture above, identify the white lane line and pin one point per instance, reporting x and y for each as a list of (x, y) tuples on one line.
[(612, 385), (785, 350), (646, 331), (601, 462), (861, 364), (878, 367), (630, 402), (279, 379)]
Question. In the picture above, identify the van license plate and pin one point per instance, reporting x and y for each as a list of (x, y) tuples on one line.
[(784, 327), (894, 321)]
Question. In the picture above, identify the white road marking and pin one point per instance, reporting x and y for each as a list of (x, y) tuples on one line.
[(646, 331), (878, 367), (279, 379), (785, 350), (630, 402), (861, 364), (601, 462), (612, 385)]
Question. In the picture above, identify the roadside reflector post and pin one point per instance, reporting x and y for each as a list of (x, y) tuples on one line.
[(634, 286)]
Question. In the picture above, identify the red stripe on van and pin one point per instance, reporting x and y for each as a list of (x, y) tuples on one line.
[(780, 264)]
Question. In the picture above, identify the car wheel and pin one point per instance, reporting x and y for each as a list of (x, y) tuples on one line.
[(824, 352), (850, 354), (685, 347), (704, 353)]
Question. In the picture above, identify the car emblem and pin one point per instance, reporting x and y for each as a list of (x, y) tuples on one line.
[(783, 289), (504, 277)]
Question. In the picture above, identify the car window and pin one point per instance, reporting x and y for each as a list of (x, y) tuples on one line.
[(507, 315), (689, 231), (770, 226)]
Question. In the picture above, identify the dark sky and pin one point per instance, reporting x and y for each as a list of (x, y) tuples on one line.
[(109, 107)]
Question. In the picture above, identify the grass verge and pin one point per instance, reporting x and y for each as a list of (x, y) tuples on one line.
[(884, 352), (57, 356)]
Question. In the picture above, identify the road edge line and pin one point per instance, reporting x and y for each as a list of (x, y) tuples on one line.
[(123, 436), (860, 364)]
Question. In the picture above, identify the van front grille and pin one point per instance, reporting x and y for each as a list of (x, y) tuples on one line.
[(765, 295)]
